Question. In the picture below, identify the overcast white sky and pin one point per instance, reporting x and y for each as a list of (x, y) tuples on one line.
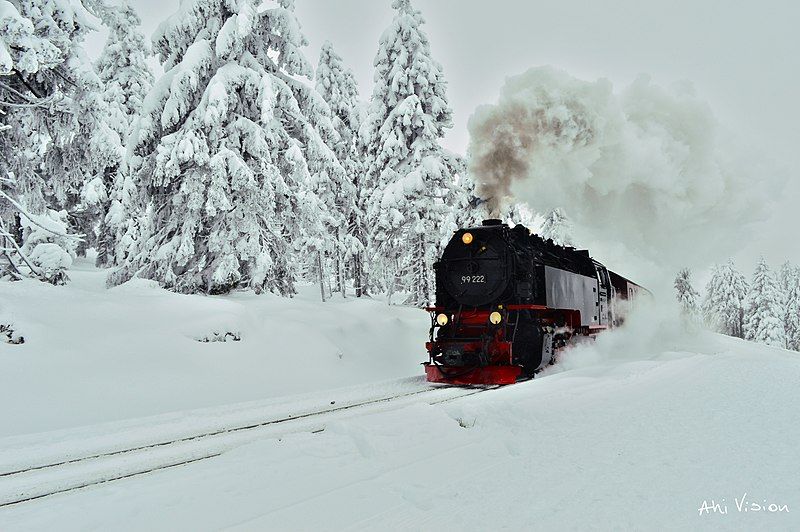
[(741, 56)]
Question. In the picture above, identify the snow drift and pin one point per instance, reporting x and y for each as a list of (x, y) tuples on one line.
[(660, 421), (92, 355), (647, 166)]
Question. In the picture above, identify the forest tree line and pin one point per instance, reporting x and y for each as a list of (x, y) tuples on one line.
[(243, 165), (765, 310)]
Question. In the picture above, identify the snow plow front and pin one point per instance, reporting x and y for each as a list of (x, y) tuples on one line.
[(461, 376)]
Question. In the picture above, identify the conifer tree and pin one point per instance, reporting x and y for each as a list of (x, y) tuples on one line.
[(53, 140), (763, 312), (686, 294), (80, 145), (467, 209), (557, 227), (723, 306), (57, 142), (25, 53), (791, 281), (337, 86), (786, 278), (231, 153), (127, 79), (513, 213), (413, 180)]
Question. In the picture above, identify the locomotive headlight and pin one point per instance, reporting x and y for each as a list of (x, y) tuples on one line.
[(442, 319), (466, 238), (495, 318)]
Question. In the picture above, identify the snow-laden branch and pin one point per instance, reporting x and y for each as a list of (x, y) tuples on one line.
[(11, 89), (44, 103), (27, 101), (8, 238), (33, 220)]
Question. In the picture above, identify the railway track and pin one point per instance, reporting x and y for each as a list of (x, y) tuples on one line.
[(28, 483)]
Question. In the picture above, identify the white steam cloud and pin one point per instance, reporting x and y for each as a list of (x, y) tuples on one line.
[(646, 172), (654, 331)]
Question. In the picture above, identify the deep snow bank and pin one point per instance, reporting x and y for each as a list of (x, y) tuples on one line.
[(94, 355)]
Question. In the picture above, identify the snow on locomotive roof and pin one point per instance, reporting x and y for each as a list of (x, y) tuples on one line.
[(549, 253), (555, 254)]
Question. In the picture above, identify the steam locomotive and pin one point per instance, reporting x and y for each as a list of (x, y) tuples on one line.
[(506, 300)]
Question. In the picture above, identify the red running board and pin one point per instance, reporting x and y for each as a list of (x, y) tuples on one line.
[(484, 375)]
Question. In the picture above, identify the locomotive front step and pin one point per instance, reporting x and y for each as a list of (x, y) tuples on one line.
[(481, 375)]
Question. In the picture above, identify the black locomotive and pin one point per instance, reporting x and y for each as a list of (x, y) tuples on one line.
[(506, 300)]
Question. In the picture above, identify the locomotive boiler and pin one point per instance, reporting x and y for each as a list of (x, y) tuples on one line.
[(506, 300)]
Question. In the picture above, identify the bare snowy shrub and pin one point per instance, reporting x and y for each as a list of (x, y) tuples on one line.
[(48, 246), (220, 337), (465, 423), (47, 251), (9, 336)]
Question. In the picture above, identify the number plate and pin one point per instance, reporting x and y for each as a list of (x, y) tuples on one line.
[(472, 279)]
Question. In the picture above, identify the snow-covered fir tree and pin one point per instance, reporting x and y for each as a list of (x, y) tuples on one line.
[(763, 309), (515, 213), (724, 302), (230, 153), (467, 208), (786, 277), (53, 139), (122, 66), (686, 294), (557, 227), (79, 144), (23, 54), (127, 79), (410, 210), (337, 86), (790, 280)]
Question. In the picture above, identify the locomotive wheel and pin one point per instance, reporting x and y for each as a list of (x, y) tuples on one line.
[(528, 344)]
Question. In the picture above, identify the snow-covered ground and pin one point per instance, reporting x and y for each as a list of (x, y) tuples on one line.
[(94, 355), (635, 431)]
